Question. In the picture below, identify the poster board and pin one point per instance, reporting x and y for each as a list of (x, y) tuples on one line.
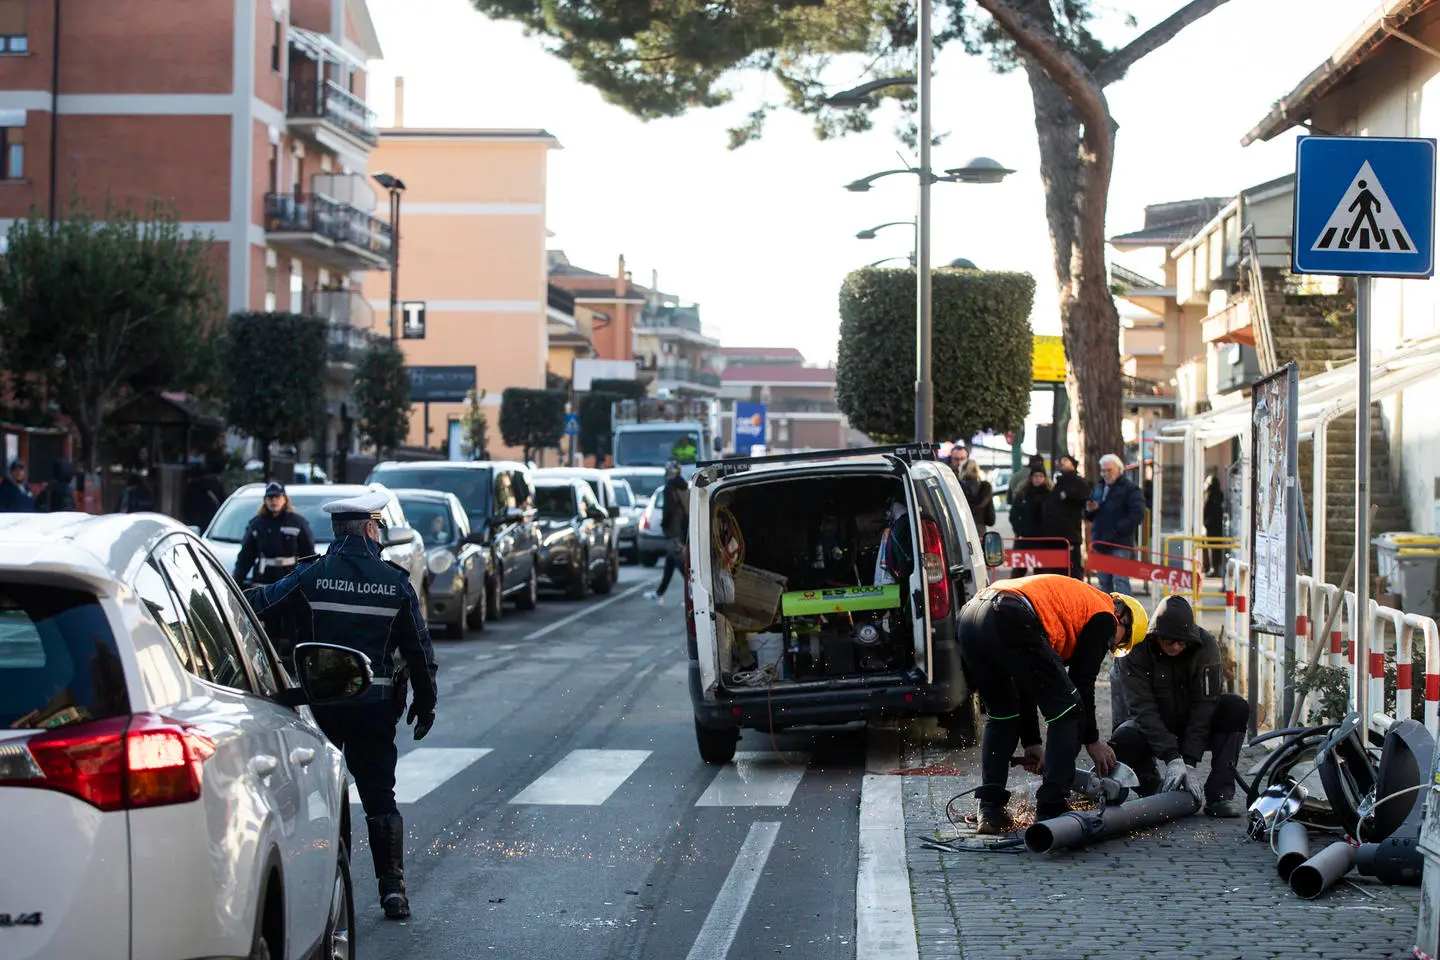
[(1275, 493)]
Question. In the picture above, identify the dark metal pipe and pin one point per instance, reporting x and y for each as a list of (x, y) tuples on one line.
[(1394, 860), (1320, 872), (1091, 826), (1292, 848)]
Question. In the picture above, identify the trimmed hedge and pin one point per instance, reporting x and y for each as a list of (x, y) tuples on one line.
[(532, 419), (981, 352)]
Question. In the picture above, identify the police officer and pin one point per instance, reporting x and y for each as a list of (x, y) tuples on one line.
[(352, 597), (275, 539)]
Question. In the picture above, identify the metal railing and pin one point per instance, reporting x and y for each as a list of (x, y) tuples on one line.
[(1260, 312), (329, 101), (346, 344), (344, 307), (1198, 547), (319, 214), (684, 374)]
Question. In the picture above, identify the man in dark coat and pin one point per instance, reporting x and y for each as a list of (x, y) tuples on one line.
[(203, 496), (1170, 685), (1065, 508), (675, 522), (59, 494), (1116, 510), (14, 495)]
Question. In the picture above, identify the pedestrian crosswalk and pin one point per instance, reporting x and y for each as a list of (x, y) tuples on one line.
[(590, 777)]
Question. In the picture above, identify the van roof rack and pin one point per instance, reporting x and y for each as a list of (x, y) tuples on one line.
[(908, 452)]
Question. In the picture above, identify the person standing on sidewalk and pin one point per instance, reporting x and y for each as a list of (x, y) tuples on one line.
[(1027, 516), (1038, 642), (675, 523), (1065, 509), (979, 494), (1173, 710), (1214, 517), (14, 494), (1116, 511)]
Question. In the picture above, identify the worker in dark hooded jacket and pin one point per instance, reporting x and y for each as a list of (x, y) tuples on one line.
[(1171, 685)]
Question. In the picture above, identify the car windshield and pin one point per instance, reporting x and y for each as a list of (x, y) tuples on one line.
[(623, 496), (431, 518), (555, 503), (643, 484), (235, 513), (471, 485), (655, 448), (58, 660)]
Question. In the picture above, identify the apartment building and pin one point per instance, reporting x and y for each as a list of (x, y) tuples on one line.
[(800, 408), (248, 115), (614, 303)]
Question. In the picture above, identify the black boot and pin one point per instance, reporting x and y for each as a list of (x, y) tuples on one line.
[(994, 818), (387, 848)]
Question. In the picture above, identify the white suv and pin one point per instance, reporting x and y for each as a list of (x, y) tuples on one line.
[(165, 792)]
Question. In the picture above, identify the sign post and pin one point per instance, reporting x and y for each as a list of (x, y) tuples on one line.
[(1365, 208)]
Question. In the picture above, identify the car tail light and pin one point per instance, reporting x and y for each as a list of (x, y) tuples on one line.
[(123, 763), (936, 570)]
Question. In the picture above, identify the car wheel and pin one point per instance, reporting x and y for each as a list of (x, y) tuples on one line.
[(494, 599), (580, 580), (530, 599), (339, 942), (455, 629), (649, 560), (716, 746), (608, 575), (475, 620), (632, 555), (615, 565)]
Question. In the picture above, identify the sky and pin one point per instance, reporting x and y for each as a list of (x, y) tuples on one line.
[(762, 237)]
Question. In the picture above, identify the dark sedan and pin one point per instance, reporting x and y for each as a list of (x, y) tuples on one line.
[(575, 537), (457, 567)]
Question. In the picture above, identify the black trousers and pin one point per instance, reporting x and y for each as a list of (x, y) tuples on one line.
[(1227, 733), (366, 734), (1012, 664), (674, 557)]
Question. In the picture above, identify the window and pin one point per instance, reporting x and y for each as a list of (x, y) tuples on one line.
[(160, 600), (277, 42), (297, 288), (58, 660), (253, 645), (13, 29), (12, 153), (274, 168), (213, 641), (272, 280)]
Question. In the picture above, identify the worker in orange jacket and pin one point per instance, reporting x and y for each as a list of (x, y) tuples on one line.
[(1038, 642)]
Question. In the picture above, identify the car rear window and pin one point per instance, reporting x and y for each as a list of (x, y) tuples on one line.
[(471, 485), (58, 660)]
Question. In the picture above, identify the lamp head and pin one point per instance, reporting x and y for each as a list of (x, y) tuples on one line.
[(388, 181), (859, 186), (865, 235), (980, 170)]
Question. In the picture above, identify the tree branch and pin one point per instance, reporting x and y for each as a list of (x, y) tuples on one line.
[(1151, 40)]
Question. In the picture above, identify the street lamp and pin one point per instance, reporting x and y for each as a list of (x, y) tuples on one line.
[(856, 96), (870, 235), (396, 187), (910, 260), (979, 170)]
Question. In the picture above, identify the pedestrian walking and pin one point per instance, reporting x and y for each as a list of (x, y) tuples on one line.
[(1065, 509), (1214, 518), (14, 494), (1027, 517), (1116, 510), (59, 494), (275, 540), (352, 597), (675, 524), (979, 494), (1038, 642), (1174, 711)]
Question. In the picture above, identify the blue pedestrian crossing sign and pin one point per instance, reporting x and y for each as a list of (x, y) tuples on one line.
[(1364, 206), (572, 424)]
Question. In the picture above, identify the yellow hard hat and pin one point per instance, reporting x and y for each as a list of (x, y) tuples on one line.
[(1139, 623)]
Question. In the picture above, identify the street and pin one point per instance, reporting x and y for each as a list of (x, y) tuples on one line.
[(560, 808)]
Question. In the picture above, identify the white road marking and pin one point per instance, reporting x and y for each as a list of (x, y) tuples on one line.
[(425, 768), (756, 779), (585, 778), (884, 916), (578, 614), (723, 920)]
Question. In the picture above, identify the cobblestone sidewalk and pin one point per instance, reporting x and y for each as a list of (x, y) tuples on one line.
[(1194, 888)]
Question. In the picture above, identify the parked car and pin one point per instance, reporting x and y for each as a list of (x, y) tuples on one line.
[(645, 481), (161, 782), (457, 565), (574, 555), (651, 543), (496, 497), (832, 633), (401, 546), (603, 488), (627, 525)]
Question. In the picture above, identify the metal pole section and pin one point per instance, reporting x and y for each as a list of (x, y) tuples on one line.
[(924, 406), (1292, 537), (395, 267), (1362, 505)]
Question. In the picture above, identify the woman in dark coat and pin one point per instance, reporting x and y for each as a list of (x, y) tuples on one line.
[(1065, 509), (1214, 517), (979, 494), (1027, 516)]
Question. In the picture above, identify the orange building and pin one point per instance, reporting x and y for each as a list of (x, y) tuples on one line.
[(615, 302)]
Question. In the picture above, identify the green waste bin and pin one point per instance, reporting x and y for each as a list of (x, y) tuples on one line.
[(1410, 566)]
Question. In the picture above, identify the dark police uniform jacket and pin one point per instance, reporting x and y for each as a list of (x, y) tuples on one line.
[(277, 541), (353, 598)]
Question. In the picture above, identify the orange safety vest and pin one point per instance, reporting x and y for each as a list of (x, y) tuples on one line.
[(1063, 604)]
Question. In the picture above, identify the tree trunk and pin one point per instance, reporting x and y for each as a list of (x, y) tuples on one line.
[(264, 459)]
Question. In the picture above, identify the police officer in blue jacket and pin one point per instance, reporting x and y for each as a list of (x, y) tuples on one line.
[(275, 539), (352, 597)]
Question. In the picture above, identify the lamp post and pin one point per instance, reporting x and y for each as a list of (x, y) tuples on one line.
[(396, 187), (870, 235)]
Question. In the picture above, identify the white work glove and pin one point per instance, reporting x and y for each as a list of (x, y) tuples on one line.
[(1174, 776)]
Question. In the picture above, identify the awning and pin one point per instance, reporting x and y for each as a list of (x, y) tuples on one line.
[(322, 47), (1410, 363)]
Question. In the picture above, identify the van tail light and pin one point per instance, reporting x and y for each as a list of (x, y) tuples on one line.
[(935, 570), (123, 763), (645, 520)]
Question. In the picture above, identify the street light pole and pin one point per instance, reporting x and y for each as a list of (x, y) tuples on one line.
[(924, 400), (396, 187)]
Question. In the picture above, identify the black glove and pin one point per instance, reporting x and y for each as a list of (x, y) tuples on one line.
[(399, 687), (423, 719)]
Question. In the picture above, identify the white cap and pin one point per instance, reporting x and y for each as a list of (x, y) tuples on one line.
[(367, 506)]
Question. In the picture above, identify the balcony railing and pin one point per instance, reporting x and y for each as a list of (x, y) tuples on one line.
[(341, 307), (340, 223), (333, 103), (348, 343), (684, 374)]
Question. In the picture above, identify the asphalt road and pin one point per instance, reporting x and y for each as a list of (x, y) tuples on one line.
[(560, 809)]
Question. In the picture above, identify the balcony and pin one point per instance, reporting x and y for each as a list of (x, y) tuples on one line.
[(677, 376), (347, 344), (316, 227), (315, 108), (341, 308)]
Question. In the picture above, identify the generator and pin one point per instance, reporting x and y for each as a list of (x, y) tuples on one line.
[(842, 631)]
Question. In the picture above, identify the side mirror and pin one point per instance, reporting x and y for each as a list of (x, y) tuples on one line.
[(994, 550), (595, 513), (330, 673), (396, 536), (479, 539), (614, 512)]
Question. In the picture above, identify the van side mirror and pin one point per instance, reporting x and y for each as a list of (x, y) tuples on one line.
[(614, 512), (329, 673), (395, 536), (994, 550)]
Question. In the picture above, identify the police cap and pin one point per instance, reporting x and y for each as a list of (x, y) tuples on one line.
[(367, 506), (275, 489)]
